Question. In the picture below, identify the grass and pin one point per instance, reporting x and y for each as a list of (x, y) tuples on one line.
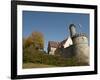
[(36, 65)]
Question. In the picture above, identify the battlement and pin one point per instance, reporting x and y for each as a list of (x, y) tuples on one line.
[(79, 35), (80, 38)]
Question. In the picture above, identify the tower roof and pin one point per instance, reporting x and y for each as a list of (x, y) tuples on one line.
[(71, 26)]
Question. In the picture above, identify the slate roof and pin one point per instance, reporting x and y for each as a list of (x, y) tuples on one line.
[(54, 44)]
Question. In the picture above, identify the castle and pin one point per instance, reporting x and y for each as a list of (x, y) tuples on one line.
[(74, 46)]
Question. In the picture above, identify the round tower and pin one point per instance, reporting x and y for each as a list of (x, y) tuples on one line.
[(81, 48), (80, 45), (72, 29)]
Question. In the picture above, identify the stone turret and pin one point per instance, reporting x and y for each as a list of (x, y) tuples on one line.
[(72, 29), (80, 44)]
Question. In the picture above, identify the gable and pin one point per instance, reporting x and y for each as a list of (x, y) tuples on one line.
[(68, 42)]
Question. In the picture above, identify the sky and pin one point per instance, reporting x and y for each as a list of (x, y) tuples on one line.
[(53, 25)]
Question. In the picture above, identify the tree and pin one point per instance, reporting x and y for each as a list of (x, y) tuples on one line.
[(35, 40), (38, 40), (27, 42)]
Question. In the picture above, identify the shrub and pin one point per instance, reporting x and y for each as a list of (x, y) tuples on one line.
[(32, 55)]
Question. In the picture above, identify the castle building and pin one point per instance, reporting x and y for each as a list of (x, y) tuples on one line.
[(74, 46), (53, 45)]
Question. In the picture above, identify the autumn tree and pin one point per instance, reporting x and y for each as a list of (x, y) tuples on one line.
[(37, 40), (27, 42)]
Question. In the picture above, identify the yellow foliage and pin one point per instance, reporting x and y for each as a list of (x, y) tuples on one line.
[(36, 39)]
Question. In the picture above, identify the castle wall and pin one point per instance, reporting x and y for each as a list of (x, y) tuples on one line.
[(81, 48), (81, 52), (67, 52)]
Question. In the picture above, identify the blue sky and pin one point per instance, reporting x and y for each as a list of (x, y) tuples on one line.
[(53, 25)]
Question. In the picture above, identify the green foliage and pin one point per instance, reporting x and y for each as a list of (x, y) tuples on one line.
[(34, 56)]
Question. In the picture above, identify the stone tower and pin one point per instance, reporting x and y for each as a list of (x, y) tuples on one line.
[(80, 45), (72, 29)]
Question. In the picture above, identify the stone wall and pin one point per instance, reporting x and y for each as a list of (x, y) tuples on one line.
[(80, 52), (67, 52)]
